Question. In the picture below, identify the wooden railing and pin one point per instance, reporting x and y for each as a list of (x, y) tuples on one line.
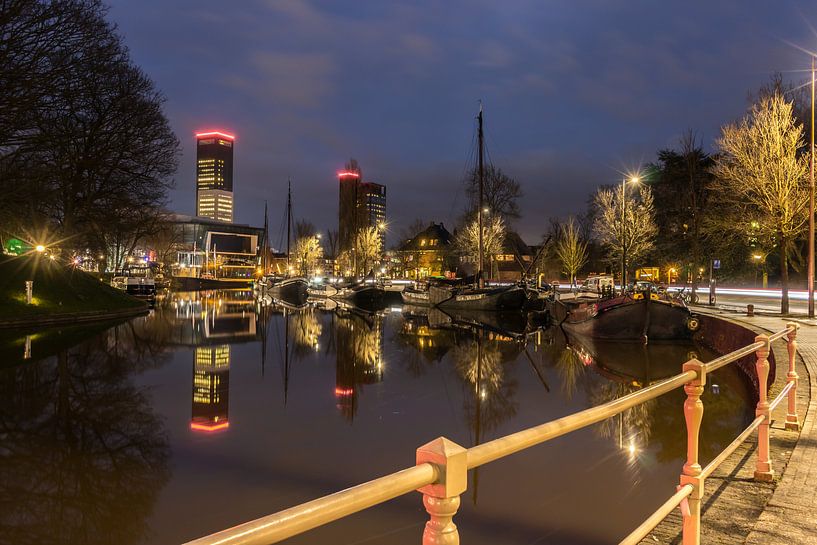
[(440, 473)]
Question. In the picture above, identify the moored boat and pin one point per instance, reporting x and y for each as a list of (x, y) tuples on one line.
[(475, 298), (635, 317)]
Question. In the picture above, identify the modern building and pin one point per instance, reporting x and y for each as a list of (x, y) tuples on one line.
[(360, 205), (428, 253), (216, 247), (214, 175)]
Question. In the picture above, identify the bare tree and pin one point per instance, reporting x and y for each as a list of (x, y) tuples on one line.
[(500, 194), (571, 249), (493, 237), (368, 247), (761, 177), (410, 231), (87, 140), (304, 228), (306, 254), (625, 221)]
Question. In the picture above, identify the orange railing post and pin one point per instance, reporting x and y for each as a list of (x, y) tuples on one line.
[(442, 498), (792, 421), (693, 414), (763, 468)]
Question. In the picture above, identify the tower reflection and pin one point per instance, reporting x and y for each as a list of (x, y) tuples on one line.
[(359, 351), (211, 388)]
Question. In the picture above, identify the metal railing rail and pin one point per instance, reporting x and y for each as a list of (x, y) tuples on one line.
[(442, 465)]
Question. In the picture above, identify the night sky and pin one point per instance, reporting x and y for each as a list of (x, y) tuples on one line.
[(575, 92)]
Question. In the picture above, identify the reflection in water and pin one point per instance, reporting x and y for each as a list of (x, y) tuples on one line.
[(211, 388), (83, 455), (359, 351)]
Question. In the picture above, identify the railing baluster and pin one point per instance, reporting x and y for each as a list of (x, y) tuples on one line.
[(442, 498), (792, 420), (763, 469), (693, 414)]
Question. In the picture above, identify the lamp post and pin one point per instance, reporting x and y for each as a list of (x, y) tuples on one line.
[(811, 206), (634, 180)]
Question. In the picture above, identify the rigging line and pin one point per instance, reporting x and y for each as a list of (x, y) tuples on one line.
[(466, 169)]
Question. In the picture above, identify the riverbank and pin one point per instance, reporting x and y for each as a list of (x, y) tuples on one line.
[(61, 295), (737, 509)]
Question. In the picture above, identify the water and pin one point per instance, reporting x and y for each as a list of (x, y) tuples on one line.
[(203, 415)]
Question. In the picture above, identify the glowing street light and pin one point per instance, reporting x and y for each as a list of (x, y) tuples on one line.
[(40, 248), (624, 182)]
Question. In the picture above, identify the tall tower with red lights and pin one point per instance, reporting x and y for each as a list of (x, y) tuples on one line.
[(360, 205), (214, 175)]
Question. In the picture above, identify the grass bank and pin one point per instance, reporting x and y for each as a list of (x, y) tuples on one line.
[(58, 290)]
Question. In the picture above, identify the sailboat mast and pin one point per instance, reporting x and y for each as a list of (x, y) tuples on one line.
[(289, 217), (481, 174)]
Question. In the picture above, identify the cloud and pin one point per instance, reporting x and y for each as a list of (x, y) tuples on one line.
[(300, 80)]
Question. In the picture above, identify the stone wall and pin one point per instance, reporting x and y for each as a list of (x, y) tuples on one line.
[(723, 336)]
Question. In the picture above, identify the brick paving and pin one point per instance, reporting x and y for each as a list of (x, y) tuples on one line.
[(739, 510)]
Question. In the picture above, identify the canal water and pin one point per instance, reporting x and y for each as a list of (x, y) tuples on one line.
[(212, 411)]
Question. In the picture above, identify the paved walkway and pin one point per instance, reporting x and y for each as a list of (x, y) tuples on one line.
[(791, 514)]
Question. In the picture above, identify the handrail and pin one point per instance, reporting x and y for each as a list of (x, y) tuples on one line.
[(660, 514), (504, 446), (726, 359), (295, 520), (441, 470)]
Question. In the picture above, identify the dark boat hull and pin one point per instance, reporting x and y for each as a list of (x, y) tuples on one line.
[(512, 298), (191, 283), (628, 319), (369, 298), (291, 290)]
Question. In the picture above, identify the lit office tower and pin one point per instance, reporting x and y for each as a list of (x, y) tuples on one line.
[(214, 175), (211, 388), (361, 204)]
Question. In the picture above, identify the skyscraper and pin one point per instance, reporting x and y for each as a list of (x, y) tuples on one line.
[(361, 204), (214, 175)]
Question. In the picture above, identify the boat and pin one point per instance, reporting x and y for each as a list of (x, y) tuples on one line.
[(416, 295), (478, 296), (369, 297), (136, 281), (292, 289), (500, 298), (636, 317)]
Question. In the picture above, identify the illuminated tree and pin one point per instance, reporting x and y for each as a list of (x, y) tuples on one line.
[(493, 236), (368, 247), (761, 178), (625, 220), (307, 254), (571, 250)]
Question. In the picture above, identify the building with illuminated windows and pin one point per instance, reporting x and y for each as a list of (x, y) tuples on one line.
[(360, 205), (214, 175), (211, 388)]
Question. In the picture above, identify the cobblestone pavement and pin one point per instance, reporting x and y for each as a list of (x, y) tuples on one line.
[(739, 510)]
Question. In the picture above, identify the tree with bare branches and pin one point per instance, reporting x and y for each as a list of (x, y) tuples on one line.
[(625, 220), (571, 249), (306, 254), (493, 236), (368, 247), (761, 178)]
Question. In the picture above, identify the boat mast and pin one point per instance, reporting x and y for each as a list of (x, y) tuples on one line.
[(481, 174), (289, 218)]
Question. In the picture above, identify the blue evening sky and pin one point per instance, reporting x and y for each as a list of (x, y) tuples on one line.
[(575, 92)]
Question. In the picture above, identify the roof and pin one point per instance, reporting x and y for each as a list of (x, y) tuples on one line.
[(513, 244), (184, 218), (435, 231)]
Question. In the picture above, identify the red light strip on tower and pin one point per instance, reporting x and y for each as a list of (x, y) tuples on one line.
[(348, 174), (209, 427), (215, 133)]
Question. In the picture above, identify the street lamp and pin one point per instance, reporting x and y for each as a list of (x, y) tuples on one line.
[(40, 248), (624, 182)]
